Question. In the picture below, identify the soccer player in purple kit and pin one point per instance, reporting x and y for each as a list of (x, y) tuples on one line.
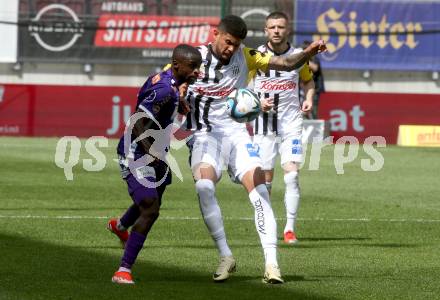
[(158, 102)]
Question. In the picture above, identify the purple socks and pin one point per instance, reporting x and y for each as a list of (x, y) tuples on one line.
[(132, 248)]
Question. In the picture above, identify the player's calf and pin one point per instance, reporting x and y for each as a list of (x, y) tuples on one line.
[(291, 202), (149, 212)]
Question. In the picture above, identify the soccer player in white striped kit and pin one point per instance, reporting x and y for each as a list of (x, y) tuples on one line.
[(280, 130), (219, 141)]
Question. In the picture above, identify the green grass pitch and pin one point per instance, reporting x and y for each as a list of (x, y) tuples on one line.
[(363, 235)]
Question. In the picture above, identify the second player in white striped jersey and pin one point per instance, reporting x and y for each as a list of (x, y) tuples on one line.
[(282, 87), (280, 130)]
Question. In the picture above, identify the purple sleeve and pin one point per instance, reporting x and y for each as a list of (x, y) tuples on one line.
[(151, 99)]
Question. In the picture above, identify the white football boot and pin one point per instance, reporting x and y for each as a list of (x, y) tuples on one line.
[(272, 275), (224, 269)]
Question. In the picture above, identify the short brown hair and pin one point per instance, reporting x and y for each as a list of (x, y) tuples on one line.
[(277, 15), (233, 25)]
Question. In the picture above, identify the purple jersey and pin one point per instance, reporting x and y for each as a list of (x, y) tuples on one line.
[(159, 99)]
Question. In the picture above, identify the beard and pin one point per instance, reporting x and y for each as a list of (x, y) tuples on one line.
[(281, 41), (225, 59)]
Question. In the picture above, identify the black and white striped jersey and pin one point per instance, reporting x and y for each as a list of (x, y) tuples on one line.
[(207, 96), (282, 86)]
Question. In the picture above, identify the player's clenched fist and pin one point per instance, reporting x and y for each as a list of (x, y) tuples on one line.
[(316, 47), (183, 107), (267, 104)]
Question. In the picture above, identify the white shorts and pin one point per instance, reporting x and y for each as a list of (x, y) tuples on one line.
[(235, 153), (289, 146)]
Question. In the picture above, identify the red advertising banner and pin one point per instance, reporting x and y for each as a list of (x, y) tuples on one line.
[(377, 114), (50, 110), (44, 110), (143, 31)]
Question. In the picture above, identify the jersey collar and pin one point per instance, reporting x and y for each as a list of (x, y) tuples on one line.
[(278, 54)]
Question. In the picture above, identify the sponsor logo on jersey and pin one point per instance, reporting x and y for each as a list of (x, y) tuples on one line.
[(278, 85), (219, 93), (151, 97)]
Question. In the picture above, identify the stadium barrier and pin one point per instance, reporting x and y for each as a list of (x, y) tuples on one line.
[(376, 114), (84, 111)]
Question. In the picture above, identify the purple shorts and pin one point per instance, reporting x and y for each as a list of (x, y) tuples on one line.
[(148, 182)]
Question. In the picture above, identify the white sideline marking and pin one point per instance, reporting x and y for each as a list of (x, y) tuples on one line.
[(226, 218)]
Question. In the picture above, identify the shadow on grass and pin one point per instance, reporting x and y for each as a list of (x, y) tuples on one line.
[(32, 269), (366, 244), (44, 208), (323, 239), (208, 247), (305, 242), (390, 245)]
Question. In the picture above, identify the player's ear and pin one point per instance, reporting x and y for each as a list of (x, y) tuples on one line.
[(288, 30), (265, 31), (216, 32)]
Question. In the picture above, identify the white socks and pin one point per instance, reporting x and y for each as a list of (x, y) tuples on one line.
[(265, 223), (291, 199), (212, 215), (264, 219), (122, 269)]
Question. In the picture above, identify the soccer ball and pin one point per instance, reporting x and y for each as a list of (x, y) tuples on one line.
[(243, 105)]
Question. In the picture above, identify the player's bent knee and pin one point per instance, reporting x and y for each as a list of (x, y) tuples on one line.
[(290, 167), (149, 209), (291, 178), (205, 187), (204, 171)]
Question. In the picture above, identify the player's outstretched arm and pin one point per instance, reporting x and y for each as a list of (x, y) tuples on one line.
[(295, 61)]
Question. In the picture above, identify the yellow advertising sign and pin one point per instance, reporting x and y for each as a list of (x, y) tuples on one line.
[(420, 136)]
